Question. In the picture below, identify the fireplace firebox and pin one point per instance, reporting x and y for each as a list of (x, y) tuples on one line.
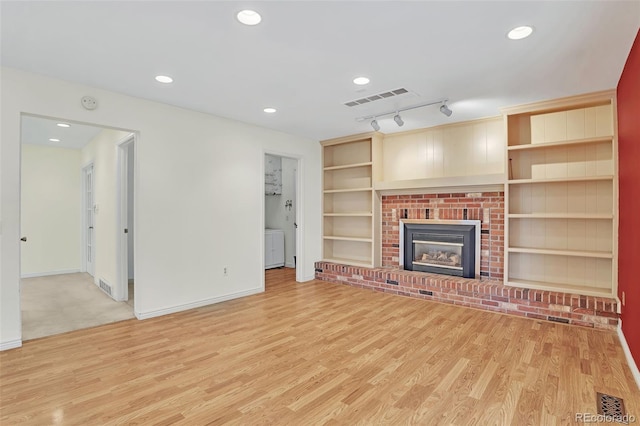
[(443, 247)]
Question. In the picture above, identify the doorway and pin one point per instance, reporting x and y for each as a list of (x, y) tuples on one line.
[(282, 213), (68, 223)]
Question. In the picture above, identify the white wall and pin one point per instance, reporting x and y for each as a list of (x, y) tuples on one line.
[(102, 152), (279, 217), (51, 217), (199, 195)]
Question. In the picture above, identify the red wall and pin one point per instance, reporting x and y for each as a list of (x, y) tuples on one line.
[(629, 169)]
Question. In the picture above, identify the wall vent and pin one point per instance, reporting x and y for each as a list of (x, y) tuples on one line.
[(105, 287), (377, 97)]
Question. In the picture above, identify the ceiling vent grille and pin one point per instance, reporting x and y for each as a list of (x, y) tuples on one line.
[(377, 97)]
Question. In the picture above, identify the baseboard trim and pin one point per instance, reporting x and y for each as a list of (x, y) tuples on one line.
[(11, 344), (46, 274), (289, 265), (308, 278), (627, 353), (198, 304)]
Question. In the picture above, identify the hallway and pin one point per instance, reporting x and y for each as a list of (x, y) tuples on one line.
[(56, 304)]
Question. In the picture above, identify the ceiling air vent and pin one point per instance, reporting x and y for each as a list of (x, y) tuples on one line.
[(377, 97)]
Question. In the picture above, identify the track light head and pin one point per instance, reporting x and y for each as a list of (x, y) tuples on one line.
[(375, 125), (398, 120), (445, 110)]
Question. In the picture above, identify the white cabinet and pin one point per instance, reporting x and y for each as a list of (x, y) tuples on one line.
[(273, 248)]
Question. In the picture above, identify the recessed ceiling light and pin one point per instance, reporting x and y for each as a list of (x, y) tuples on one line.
[(63, 125), (520, 32), (361, 81), (164, 79), (269, 110), (249, 17), (54, 140)]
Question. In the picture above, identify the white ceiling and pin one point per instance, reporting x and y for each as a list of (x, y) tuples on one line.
[(304, 55), (38, 131)]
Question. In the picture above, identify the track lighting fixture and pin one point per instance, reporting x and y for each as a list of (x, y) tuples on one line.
[(445, 110), (396, 113)]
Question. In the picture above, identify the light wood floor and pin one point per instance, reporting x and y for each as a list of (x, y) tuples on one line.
[(316, 353)]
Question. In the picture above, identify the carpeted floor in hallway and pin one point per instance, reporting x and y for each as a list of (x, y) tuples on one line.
[(59, 303)]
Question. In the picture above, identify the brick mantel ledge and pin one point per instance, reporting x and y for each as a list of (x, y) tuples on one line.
[(486, 294)]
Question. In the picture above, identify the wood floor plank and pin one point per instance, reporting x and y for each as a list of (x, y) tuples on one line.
[(316, 353)]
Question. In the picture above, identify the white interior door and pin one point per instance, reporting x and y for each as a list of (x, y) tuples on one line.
[(126, 205), (89, 220)]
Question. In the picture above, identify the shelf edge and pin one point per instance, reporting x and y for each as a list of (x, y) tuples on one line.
[(559, 287), (554, 252), (571, 142)]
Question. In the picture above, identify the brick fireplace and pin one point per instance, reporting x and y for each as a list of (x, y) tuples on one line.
[(487, 207), (486, 293)]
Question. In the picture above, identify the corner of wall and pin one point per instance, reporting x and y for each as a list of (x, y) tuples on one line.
[(627, 353)]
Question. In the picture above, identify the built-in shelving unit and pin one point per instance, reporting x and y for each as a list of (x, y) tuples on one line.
[(561, 195), (350, 204)]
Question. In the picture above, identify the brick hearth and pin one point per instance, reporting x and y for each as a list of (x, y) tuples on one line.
[(486, 294)]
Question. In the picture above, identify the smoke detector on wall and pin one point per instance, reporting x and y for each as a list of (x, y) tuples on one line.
[(89, 102)]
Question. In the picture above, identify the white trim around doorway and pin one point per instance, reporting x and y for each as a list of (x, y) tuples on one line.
[(122, 248), (299, 218)]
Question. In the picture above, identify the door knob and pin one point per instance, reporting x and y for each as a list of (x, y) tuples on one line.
[(23, 239)]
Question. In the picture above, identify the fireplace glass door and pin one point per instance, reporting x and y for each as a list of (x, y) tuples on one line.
[(438, 250)]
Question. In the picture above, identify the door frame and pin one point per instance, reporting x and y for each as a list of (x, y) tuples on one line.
[(122, 185), (299, 217), (84, 265)]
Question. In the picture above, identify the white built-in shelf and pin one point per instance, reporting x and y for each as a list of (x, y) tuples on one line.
[(560, 143), (561, 180), (349, 214), (335, 191), (349, 227), (554, 252), (339, 238), (559, 216), (562, 193), (346, 261), (348, 166), (560, 287)]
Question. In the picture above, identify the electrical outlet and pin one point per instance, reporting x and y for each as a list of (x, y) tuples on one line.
[(624, 299), (225, 271)]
